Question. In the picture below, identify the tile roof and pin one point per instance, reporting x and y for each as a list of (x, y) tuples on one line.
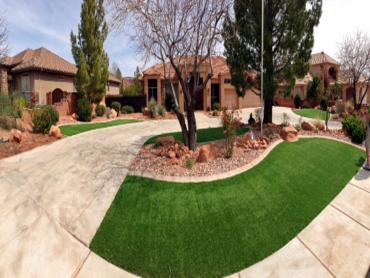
[(322, 58), (218, 62), (44, 60)]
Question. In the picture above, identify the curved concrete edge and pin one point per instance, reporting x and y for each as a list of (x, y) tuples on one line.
[(232, 173)]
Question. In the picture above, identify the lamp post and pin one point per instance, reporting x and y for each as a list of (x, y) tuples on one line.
[(367, 143), (262, 70)]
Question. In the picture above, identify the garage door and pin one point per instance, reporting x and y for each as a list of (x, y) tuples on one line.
[(231, 99)]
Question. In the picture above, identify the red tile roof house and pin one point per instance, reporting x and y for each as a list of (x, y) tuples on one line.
[(220, 90), (44, 78)]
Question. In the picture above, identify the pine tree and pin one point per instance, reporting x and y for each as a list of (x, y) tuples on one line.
[(288, 41), (88, 52)]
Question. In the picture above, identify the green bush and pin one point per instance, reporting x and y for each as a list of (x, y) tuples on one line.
[(297, 101), (116, 106), (162, 111), (7, 122), (100, 110), (43, 118), (153, 108), (84, 110), (216, 106), (127, 109), (355, 129)]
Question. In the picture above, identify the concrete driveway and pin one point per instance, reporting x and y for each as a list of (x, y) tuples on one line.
[(53, 199)]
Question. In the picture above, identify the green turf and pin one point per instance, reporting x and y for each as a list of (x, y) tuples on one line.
[(311, 113), (161, 229), (204, 135), (70, 130)]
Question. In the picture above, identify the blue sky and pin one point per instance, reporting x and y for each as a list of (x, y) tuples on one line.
[(48, 23)]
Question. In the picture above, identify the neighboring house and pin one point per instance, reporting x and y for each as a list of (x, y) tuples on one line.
[(328, 70), (220, 90), (44, 78)]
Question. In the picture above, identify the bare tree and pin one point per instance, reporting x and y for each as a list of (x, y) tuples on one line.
[(3, 37), (182, 35), (354, 55)]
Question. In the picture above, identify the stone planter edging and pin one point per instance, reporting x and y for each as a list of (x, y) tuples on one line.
[(232, 173)]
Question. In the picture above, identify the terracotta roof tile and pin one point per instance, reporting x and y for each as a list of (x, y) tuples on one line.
[(322, 58), (42, 59)]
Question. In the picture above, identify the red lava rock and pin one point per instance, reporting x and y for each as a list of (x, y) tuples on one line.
[(289, 134), (207, 152), (16, 136), (308, 126), (55, 132)]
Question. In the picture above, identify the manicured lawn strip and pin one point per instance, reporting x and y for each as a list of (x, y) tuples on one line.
[(70, 130), (161, 229), (311, 113), (204, 135)]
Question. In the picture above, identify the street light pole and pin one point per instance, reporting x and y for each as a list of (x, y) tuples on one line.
[(262, 67)]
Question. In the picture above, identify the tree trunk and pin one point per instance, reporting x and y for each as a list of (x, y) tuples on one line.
[(184, 131), (192, 129), (267, 115)]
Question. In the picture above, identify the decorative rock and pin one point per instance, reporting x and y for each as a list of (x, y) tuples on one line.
[(74, 117), (289, 134), (308, 126), (55, 132), (16, 136), (207, 153), (19, 125), (171, 154), (320, 126), (112, 114), (166, 141)]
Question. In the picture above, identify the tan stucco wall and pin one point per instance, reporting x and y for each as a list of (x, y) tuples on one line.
[(113, 89)]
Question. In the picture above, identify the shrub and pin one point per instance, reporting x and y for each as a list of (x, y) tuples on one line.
[(127, 109), (84, 110), (116, 106), (7, 122), (189, 164), (355, 129), (216, 106), (297, 101), (251, 120), (152, 108), (100, 110), (43, 118), (162, 111), (19, 104), (230, 124)]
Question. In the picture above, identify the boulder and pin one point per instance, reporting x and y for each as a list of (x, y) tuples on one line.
[(55, 132), (19, 124), (308, 126), (207, 153), (289, 134), (171, 154), (112, 114), (165, 141), (320, 126), (16, 136), (74, 117)]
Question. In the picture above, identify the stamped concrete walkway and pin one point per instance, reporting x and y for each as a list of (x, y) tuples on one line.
[(53, 199)]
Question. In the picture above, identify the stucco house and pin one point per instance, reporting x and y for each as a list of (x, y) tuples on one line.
[(220, 90), (44, 78)]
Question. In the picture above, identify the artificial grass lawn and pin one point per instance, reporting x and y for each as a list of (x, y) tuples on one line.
[(70, 130), (204, 135), (311, 113), (162, 229)]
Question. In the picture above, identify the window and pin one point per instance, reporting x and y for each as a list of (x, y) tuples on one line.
[(169, 101), (152, 89), (215, 94), (227, 81), (26, 84)]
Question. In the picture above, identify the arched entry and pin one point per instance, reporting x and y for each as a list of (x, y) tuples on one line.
[(56, 96)]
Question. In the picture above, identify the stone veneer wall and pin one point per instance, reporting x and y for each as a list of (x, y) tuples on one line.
[(3, 81)]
